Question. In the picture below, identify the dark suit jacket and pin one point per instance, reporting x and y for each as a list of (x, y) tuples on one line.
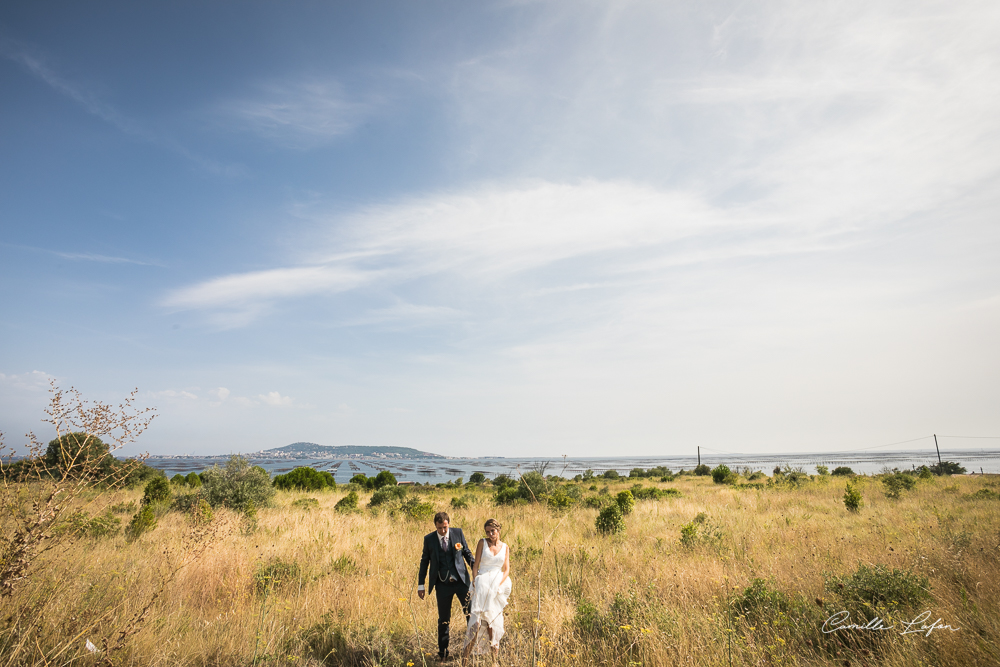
[(432, 557)]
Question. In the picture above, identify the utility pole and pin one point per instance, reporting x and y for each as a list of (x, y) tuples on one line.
[(938, 449), (699, 454)]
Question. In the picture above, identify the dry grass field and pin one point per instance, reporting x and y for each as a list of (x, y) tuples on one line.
[(314, 586)]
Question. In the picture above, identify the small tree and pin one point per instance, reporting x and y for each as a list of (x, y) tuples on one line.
[(477, 478), (385, 478), (843, 471), (822, 471), (721, 474), (237, 486), (852, 498), (702, 470), (193, 480), (305, 478), (625, 502), (947, 468), (157, 490), (610, 520)]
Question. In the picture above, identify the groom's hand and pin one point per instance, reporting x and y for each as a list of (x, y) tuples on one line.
[(420, 594)]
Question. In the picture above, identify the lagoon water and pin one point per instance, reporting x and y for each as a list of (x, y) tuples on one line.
[(444, 469)]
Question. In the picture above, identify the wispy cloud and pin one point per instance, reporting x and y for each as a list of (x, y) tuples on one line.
[(300, 114), (94, 105)]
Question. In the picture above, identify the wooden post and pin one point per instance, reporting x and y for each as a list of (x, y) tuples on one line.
[(699, 455), (938, 449)]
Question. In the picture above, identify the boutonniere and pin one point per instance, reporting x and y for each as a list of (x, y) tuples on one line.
[(458, 546)]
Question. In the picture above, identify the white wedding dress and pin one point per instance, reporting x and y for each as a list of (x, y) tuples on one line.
[(489, 597)]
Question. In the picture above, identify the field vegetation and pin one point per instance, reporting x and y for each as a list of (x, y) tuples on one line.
[(724, 568)]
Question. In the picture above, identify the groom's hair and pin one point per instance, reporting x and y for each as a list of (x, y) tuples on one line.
[(441, 517)]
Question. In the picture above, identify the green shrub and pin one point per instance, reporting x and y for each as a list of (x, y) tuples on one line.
[(179, 480), (625, 502), (157, 490), (412, 508), (759, 602), (503, 481), (754, 476), (387, 495), (611, 474), (123, 508), (275, 574), (533, 486), (700, 531), (460, 503), (560, 500), (509, 495), (83, 525), (702, 470), (984, 494), (348, 503), (477, 478), (193, 480), (305, 478), (878, 587), (363, 481), (237, 485), (896, 483), (721, 473), (593, 502), (822, 470), (842, 471), (143, 522), (610, 520), (385, 478), (653, 493), (306, 503), (947, 468), (852, 498), (925, 472)]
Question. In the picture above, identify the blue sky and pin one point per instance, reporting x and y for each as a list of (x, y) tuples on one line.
[(521, 228)]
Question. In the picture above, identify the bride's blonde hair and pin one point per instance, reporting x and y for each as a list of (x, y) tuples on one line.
[(491, 523)]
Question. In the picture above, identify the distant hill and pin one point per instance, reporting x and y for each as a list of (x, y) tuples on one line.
[(312, 450)]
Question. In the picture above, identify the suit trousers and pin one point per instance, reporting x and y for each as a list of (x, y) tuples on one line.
[(445, 590)]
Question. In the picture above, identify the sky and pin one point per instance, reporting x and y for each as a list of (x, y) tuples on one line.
[(504, 228)]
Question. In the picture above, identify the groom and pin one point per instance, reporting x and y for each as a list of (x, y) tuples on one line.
[(446, 552)]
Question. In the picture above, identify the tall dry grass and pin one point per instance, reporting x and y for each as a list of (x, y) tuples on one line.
[(314, 587)]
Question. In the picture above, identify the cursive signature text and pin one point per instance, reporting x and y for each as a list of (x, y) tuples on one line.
[(842, 621)]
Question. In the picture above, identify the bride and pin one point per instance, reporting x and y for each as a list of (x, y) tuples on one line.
[(489, 592)]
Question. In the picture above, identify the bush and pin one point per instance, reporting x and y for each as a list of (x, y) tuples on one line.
[(363, 481), (80, 454), (822, 470), (193, 480), (157, 490), (102, 525), (305, 478), (384, 478), (412, 508), (123, 508), (924, 472), (842, 471), (477, 478), (852, 498), (460, 503), (879, 588), (306, 503), (700, 531), (509, 495), (984, 494), (143, 522), (387, 495), (610, 520), (625, 502), (275, 574), (947, 468), (238, 485), (179, 480), (560, 500), (721, 474), (593, 502), (759, 602), (896, 483), (702, 470), (503, 481), (610, 474), (348, 503)]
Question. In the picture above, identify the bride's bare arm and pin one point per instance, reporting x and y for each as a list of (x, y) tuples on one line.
[(479, 557)]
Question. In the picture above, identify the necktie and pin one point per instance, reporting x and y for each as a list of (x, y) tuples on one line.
[(444, 542)]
